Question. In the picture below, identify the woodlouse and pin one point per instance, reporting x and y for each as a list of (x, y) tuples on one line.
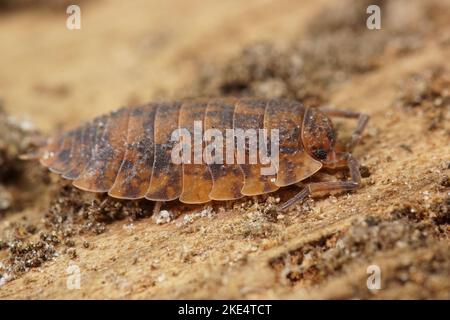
[(127, 153)]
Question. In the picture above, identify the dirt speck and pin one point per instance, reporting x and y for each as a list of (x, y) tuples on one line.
[(428, 93), (318, 260)]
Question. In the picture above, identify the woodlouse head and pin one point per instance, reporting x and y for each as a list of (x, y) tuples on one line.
[(319, 136)]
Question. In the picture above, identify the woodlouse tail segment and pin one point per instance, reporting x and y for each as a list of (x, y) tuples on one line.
[(197, 180), (59, 160), (75, 154), (101, 170), (166, 181), (248, 115), (133, 178), (81, 153), (333, 186), (63, 156), (228, 180)]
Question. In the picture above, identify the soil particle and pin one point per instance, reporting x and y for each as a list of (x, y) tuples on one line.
[(442, 213), (418, 274), (428, 93), (407, 228), (163, 217), (317, 260), (76, 212), (335, 46), (445, 182), (70, 213), (25, 254), (365, 171), (72, 252)]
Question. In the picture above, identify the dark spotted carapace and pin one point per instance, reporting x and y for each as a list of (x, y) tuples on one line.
[(128, 152)]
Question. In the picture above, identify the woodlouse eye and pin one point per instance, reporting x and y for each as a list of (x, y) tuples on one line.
[(320, 154)]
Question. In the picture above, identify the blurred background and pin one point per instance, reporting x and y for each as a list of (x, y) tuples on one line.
[(125, 52), (133, 52)]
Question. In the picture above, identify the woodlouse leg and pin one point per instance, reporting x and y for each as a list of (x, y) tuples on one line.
[(157, 207), (319, 187), (319, 176), (360, 126)]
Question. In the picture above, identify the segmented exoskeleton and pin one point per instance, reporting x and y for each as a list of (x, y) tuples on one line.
[(127, 153)]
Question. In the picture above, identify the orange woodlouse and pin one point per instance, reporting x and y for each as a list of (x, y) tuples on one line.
[(127, 153)]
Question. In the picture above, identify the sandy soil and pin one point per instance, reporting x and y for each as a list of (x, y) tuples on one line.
[(318, 52)]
